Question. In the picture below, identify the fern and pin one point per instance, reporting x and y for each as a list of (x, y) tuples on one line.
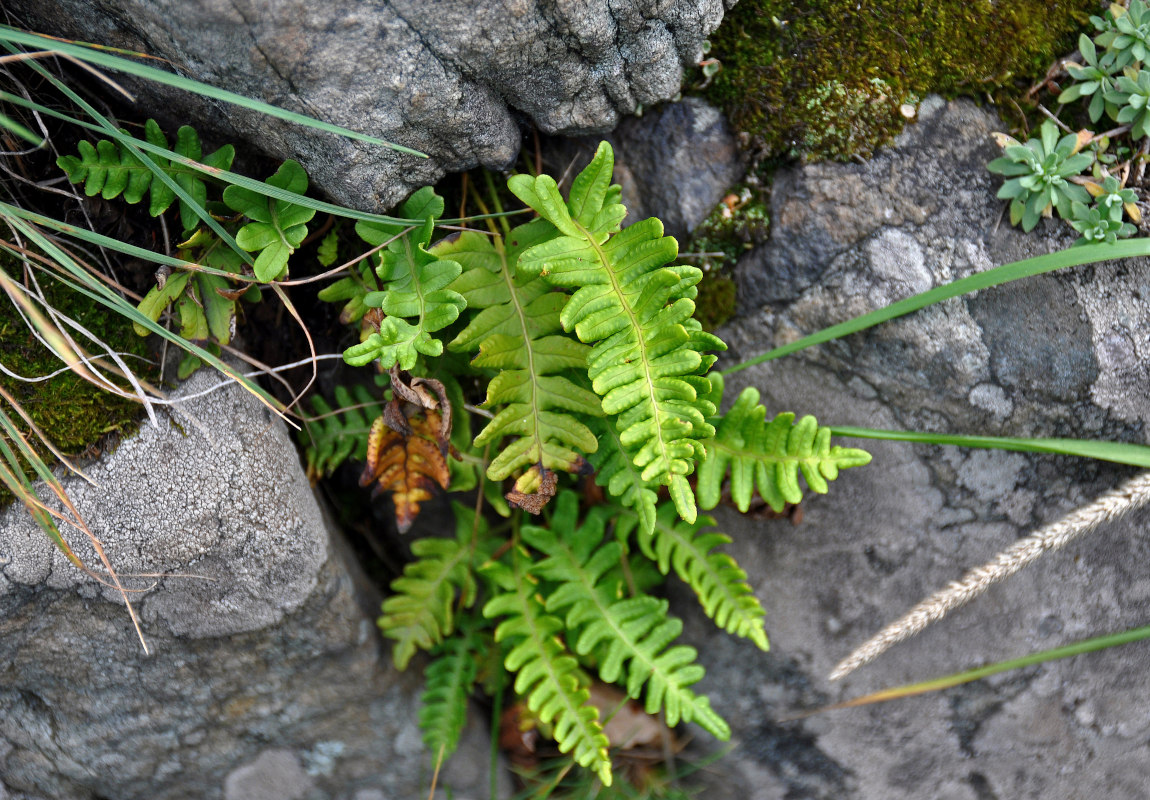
[(414, 283), (768, 455), (648, 355), (518, 332), (546, 674), (111, 170), (631, 633), (277, 227), (716, 579), (615, 469), (353, 289), (449, 679), (339, 434), (420, 613)]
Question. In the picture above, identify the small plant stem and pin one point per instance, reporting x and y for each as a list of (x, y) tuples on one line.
[(1112, 505)]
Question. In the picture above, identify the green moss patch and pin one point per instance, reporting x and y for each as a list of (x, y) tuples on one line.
[(72, 412), (827, 78)]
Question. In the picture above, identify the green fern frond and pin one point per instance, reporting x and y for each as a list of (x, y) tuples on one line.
[(518, 332), (351, 291), (716, 579), (341, 433), (111, 170), (277, 227), (768, 455), (449, 679), (546, 674), (631, 634), (647, 362), (415, 288), (616, 471), (420, 613)]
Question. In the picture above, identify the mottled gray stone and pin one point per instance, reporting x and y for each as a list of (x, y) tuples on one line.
[(267, 676), (1063, 354), (676, 162), (452, 78)]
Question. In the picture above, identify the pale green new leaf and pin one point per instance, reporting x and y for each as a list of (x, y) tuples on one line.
[(517, 331), (768, 456), (648, 357), (415, 297), (630, 635)]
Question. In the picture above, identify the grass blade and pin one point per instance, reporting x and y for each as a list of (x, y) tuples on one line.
[(1137, 455), (1071, 257), (959, 678)]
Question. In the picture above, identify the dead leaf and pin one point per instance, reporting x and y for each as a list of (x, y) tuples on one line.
[(410, 467), (533, 490)]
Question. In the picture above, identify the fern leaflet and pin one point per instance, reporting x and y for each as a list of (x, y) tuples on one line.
[(449, 679), (111, 170), (420, 612), (518, 332), (768, 455), (629, 634), (338, 434), (648, 355), (546, 674), (716, 579), (414, 283), (615, 469)]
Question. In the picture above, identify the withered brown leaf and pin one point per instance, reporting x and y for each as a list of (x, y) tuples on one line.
[(410, 467)]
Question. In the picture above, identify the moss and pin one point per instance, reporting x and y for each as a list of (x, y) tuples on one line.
[(826, 78), (736, 225), (72, 413)]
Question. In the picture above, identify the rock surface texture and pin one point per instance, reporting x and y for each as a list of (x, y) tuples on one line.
[(451, 79), (1066, 354), (267, 677), (676, 162)]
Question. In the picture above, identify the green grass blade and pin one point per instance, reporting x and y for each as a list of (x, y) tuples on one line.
[(12, 125), (91, 287), (1137, 455), (130, 144), (1071, 257), (108, 61), (959, 678), (220, 174)]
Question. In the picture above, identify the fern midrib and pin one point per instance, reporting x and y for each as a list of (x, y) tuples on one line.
[(688, 545), (642, 345), (520, 312), (683, 692), (273, 206), (528, 605)]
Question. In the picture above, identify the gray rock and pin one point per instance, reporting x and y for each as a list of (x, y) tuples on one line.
[(676, 162), (451, 79), (267, 676), (1063, 354)]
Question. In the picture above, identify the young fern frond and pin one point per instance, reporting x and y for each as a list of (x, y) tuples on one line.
[(648, 360), (716, 579), (420, 613), (630, 635), (449, 679), (414, 283), (767, 455), (518, 332), (546, 674), (277, 227), (341, 433), (111, 170)]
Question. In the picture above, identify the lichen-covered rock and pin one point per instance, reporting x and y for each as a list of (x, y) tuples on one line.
[(1063, 354), (267, 676), (450, 79)]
